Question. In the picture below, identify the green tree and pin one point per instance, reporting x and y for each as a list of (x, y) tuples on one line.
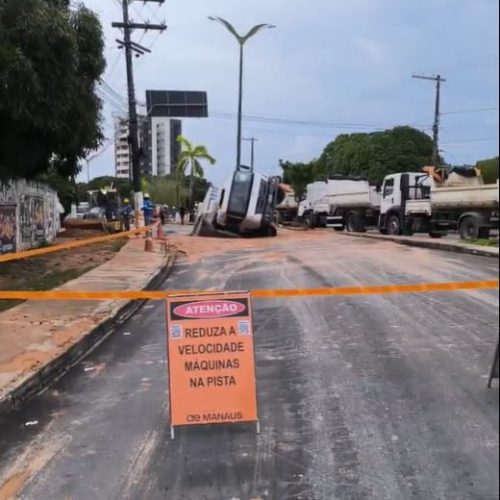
[(489, 169), (298, 175), (190, 157), (51, 57), (377, 154)]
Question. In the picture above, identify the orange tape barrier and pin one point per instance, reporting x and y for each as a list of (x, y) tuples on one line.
[(257, 294), (72, 244)]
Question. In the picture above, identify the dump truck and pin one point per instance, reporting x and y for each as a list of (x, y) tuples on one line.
[(286, 211), (438, 201), (341, 202), (434, 201)]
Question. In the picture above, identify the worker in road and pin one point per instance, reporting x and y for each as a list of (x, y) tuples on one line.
[(182, 213), (148, 209), (126, 214)]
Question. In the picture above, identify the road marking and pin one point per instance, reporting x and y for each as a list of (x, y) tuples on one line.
[(256, 294), (70, 245)]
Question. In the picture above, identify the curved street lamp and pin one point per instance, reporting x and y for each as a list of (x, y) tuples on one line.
[(242, 39)]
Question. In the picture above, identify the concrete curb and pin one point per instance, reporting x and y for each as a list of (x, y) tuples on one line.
[(55, 369), (434, 245)]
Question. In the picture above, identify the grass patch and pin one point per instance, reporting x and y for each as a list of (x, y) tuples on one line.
[(40, 283), (117, 245), (53, 270), (484, 243)]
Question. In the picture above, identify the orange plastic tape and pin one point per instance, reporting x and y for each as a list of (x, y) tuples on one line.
[(258, 294), (70, 245)]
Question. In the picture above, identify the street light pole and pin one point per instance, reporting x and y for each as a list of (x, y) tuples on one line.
[(240, 111), (242, 39)]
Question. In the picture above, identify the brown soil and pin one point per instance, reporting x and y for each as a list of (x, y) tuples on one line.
[(53, 270), (198, 247)]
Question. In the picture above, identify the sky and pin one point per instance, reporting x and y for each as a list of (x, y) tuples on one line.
[(339, 66)]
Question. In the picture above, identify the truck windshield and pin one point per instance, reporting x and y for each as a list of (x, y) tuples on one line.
[(240, 194)]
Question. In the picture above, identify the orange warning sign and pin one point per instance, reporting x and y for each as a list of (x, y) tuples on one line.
[(211, 359)]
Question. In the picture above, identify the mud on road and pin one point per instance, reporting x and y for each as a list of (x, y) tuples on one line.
[(360, 397)]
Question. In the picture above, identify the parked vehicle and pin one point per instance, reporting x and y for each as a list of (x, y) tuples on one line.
[(286, 211), (438, 201), (434, 201), (243, 206), (341, 202)]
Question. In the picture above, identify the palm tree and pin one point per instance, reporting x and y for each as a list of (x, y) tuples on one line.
[(191, 155)]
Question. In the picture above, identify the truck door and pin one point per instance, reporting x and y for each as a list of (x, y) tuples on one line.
[(391, 194)]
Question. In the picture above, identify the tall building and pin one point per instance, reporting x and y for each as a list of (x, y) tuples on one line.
[(158, 145), (122, 150)]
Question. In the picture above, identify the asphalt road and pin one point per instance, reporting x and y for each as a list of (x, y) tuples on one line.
[(369, 397)]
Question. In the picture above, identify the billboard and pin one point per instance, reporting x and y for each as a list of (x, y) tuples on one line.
[(176, 104)]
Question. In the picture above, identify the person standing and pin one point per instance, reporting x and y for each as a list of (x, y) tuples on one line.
[(148, 209), (126, 213), (182, 212)]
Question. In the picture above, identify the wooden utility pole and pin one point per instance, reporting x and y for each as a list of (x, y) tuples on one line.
[(128, 26), (437, 115)]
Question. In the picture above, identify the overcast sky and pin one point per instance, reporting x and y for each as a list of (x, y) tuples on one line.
[(346, 63)]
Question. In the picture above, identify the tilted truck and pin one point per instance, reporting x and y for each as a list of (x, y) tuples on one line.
[(434, 201), (243, 206)]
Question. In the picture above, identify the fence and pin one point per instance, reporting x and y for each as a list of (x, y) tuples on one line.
[(29, 215)]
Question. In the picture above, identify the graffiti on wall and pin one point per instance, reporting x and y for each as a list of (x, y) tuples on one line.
[(32, 219), (7, 228), (38, 212)]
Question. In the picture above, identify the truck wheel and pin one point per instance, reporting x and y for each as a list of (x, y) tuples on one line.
[(484, 233), (435, 236), (469, 229), (309, 220), (394, 226), (338, 229), (352, 223)]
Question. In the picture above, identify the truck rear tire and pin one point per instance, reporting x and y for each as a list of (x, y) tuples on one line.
[(469, 228), (352, 223), (394, 226)]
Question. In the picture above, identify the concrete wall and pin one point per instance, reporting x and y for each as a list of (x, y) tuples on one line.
[(36, 211)]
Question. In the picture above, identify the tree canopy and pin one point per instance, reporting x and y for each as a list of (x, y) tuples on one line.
[(489, 169), (191, 156), (51, 56), (377, 154), (373, 155)]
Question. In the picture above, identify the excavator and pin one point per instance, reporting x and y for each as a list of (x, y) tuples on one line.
[(104, 207), (244, 206)]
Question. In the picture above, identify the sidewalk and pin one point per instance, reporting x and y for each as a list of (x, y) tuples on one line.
[(40, 340), (445, 243)]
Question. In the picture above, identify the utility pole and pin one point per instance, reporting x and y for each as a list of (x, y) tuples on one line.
[(130, 46), (252, 140), (437, 114)]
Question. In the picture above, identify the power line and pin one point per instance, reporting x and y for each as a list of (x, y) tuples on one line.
[(478, 139), (467, 111)]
